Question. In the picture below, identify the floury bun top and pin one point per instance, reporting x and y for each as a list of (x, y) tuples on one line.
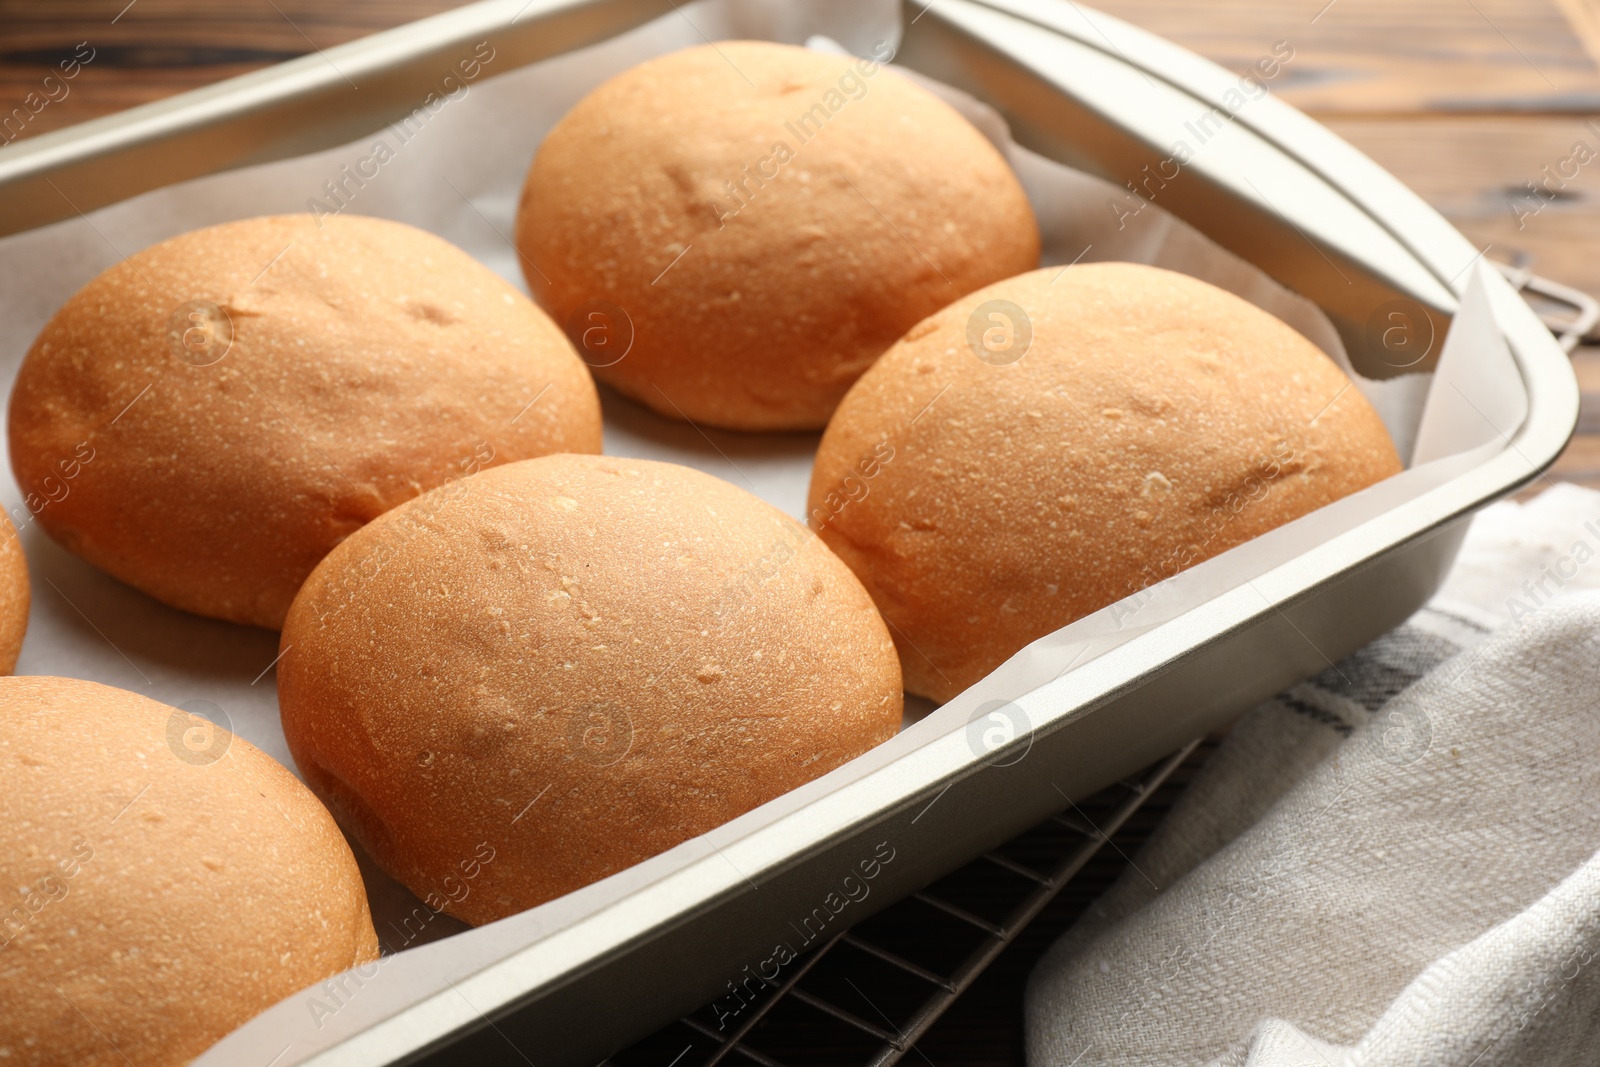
[(210, 417), (732, 234)]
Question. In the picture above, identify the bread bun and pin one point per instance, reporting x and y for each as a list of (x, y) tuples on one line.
[(248, 395), (1060, 440), (15, 595), (735, 232), (174, 881), (568, 665)]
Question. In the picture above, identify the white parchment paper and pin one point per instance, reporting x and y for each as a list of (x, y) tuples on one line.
[(459, 177)]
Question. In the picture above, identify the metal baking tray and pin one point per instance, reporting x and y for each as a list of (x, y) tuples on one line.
[(1287, 195)]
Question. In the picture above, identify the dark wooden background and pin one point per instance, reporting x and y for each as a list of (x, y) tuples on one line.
[(1465, 100)]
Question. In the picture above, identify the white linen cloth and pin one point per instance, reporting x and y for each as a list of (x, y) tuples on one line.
[(1396, 862)]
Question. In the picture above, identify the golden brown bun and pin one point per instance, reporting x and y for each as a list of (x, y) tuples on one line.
[(15, 595), (568, 665), (164, 881), (889, 206), (1153, 422), (369, 362)]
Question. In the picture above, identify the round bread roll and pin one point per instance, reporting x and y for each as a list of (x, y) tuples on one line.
[(15, 595), (164, 881), (1063, 439), (568, 665), (731, 234), (239, 399)]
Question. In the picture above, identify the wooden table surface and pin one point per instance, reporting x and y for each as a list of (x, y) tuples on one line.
[(1467, 101)]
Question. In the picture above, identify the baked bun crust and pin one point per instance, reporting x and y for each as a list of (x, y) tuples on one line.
[(175, 881), (368, 362), (760, 222), (16, 594), (572, 664), (1152, 422)]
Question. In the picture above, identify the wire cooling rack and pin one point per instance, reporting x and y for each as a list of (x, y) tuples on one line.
[(869, 994)]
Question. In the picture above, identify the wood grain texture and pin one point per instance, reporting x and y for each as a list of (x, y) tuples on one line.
[(151, 49), (1390, 57), (1477, 171), (1584, 18)]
